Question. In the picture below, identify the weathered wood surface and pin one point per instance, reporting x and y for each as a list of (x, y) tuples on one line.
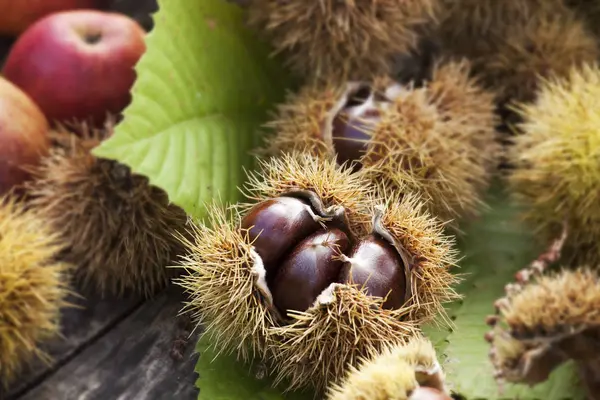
[(148, 355), (81, 326)]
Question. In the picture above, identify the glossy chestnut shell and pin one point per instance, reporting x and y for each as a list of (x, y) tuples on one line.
[(276, 226), (375, 265), (303, 252), (351, 125), (309, 269)]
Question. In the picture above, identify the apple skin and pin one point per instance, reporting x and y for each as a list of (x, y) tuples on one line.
[(18, 15), (24, 138), (78, 65)]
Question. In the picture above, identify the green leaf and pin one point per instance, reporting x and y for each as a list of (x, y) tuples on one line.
[(225, 378), (204, 86), (494, 248)]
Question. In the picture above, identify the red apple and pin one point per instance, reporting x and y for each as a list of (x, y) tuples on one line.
[(23, 136), (17, 15), (77, 65)]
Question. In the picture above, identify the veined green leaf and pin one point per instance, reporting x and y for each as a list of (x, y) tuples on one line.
[(203, 88), (225, 378)]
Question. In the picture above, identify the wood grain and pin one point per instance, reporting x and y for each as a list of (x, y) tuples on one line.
[(148, 356), (80, 327)]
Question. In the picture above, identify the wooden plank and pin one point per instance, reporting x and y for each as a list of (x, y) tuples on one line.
[(148, 356), (80, 326)]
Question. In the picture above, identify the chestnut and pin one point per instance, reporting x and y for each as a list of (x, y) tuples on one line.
[(276, 225), (351, 125), (309, 269), (376, 265), (349, 138)]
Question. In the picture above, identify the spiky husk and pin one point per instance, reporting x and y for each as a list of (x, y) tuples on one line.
[(298, 170), (513, 43), (432, 255), (547, 323), (554, 303), (339, 40), (393, 374), (298, 124), (318, 346), (439, 139), (33, 287), (555, 162), (120, 229), (223, 279), (460, 97), (221, 284), (438, 149), (312, 348), (470, 27), (549, 44)]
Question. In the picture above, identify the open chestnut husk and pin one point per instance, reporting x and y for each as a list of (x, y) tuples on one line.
[(273, 277), (437, 138), (544, 322)]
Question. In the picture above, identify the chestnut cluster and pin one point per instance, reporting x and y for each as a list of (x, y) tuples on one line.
[(305, 248), (317, 270)]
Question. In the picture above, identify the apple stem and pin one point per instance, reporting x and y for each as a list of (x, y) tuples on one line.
[(92, 38)]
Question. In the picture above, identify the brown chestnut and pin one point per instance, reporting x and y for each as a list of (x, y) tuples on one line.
[(350, 127), (349, 138), (427, 393), (276, 226), (375, 263), (309, 269)]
